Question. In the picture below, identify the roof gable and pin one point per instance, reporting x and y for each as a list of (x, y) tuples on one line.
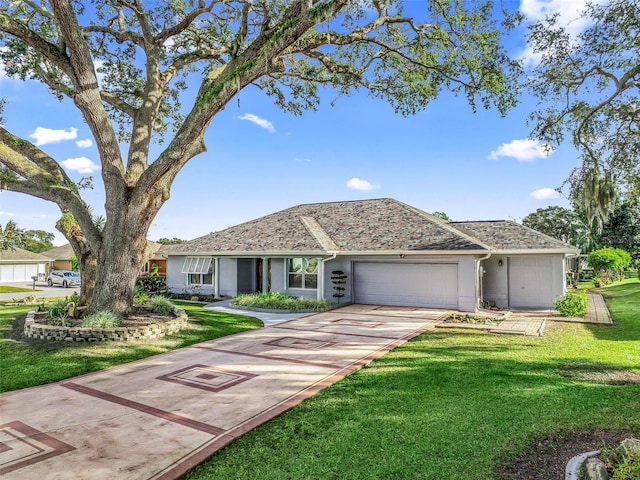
[(21, 255), (60, 253)]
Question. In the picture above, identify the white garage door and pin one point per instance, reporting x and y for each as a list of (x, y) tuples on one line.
[(17, 273), (530, 282), (410, 284)]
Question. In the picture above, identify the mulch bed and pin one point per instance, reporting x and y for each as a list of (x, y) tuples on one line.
[(139, 317), (547, 458)]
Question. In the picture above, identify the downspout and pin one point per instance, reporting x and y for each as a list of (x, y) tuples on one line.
[(479, 285), (320, 295)]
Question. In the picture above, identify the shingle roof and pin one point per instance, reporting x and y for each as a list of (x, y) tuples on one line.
[(20, 255), (508, 235), (353, 226), (60, 253)]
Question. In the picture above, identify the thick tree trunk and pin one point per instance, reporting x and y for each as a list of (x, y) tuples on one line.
[(88, 265), (123, 252), (87, 260)]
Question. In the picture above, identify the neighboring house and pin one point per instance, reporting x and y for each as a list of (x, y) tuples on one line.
[(157, 262), (61, 256), (391, 253), (17, 266)]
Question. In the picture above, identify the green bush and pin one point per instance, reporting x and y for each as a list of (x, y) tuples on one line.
[(161, 305), (621, 465), (151, 285), (609, 263), (60, 309), (139, 295), (102, 319), (280, 301), (573, 304)]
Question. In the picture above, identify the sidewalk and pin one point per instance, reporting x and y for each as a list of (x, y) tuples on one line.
[(159, 417), (42, 291)]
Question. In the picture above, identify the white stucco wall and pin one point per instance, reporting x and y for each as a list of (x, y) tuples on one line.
[(339, 263), (467, 300), (495, 286), (228, 277), (176, 281), (278, 275)]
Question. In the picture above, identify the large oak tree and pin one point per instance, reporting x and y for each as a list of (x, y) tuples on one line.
[(588, 85), (125, 63)]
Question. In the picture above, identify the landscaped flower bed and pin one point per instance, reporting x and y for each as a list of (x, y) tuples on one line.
[(130, 331), (276, 301)]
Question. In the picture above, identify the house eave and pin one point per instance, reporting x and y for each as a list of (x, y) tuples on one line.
[(536, 251), (317, 253)]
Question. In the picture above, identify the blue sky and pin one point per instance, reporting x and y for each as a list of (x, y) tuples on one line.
[(260, 160)]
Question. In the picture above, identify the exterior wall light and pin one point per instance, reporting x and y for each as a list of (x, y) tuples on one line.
[(500, 262)]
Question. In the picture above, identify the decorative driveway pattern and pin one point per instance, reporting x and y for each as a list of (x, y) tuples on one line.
[(159, 417)]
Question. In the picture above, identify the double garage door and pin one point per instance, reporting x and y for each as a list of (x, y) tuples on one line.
[(407, 284), (18, 272)]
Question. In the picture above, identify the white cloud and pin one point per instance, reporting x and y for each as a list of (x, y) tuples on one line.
[(545, 194), (84, 143), (302, 160), (80, 165), (6, 214), (44, 136), (569, 17), (521, 150), (261, 122), (359, 184)]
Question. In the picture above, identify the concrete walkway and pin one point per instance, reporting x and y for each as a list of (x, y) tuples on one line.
[(159, 417), (268, 319), (597, 312), (533, 323)]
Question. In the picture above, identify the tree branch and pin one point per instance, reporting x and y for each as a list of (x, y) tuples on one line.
[(47, 49), (27, 154)]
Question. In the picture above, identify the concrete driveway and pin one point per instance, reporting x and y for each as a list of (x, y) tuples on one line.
[(159, 417)]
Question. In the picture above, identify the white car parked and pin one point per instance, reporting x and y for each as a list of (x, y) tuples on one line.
[(65, 278)]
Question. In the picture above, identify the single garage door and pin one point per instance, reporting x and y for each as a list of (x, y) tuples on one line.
[(530, 282), (410, 284)]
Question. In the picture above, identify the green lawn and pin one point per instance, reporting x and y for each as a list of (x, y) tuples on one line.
[(452, 405), (10, 289), (25, 364)]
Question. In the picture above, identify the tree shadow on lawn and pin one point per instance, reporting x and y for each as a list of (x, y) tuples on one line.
[(434, 410), (492, 409)]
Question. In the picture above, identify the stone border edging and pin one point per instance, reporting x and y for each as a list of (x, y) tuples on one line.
[(572, 471), (83, 334)]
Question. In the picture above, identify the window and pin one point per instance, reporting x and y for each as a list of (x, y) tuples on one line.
[(303, 273), (199, 270)]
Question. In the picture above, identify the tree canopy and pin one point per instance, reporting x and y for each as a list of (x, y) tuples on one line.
[(622, 230), (11, 237), (588, 89), (125, 64), (36, 241), (560, 223)]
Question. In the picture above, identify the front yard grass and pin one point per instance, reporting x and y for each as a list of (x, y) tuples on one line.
[(10, 289), (450, 406), (27, 364)]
